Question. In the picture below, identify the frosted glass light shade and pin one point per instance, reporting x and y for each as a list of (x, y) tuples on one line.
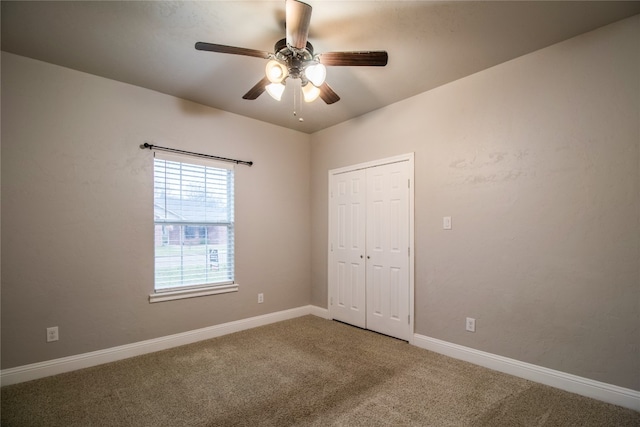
[(276, 72), (310, 92), (275, 90), (316, 74)]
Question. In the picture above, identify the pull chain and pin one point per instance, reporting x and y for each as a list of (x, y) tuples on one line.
[(297, 96)]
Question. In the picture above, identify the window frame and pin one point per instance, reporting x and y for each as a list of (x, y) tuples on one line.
[(195, 290)]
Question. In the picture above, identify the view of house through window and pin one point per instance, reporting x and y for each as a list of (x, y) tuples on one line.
[(194, 226)]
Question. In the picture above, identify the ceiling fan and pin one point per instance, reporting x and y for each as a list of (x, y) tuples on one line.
[(294, 57)]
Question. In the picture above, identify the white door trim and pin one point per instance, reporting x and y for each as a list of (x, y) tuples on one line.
[(408, 157)]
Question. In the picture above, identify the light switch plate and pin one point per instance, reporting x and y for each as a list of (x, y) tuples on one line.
[(446, 223)]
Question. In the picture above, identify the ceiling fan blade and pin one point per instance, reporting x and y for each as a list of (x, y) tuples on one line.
[(220, 48), (257, 90), (298, 17), (327, 94), (377, 58)]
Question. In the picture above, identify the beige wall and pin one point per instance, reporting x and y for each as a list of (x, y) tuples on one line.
[(77, 213), (537, 161)]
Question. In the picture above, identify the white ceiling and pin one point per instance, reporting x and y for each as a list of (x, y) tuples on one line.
[(151, 44)]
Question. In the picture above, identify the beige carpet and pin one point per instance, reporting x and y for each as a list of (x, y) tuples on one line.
[(303, 372)]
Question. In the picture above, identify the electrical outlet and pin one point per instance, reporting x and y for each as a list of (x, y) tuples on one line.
[(471, 324), (52, 334), (260, 298)]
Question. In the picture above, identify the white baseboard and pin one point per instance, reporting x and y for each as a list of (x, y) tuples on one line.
[(572, 383), (71, 363), (320, 312)]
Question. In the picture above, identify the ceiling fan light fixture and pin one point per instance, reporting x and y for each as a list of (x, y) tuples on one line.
[(316, 73), (275, 90), (276, 72), (310, 92), (293, 57)]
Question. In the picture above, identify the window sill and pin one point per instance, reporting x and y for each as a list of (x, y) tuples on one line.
[(191, 293)]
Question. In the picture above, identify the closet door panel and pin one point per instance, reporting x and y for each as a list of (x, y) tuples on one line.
[(388, 249), (348, 214)]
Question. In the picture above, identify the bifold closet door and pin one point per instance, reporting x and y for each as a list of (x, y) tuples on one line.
[(369, 240), (387, 237), (348, 204)]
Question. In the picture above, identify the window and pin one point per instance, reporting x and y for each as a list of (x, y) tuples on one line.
[(193, 205)]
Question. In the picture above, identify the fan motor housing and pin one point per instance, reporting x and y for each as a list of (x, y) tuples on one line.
[(294, 59)]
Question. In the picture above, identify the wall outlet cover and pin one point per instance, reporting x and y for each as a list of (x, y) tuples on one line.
[(52, 334), (471, 324)]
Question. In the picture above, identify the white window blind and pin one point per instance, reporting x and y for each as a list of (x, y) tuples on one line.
[(194, 222)]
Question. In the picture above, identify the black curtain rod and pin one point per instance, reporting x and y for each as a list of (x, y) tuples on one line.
[(207, 156)]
